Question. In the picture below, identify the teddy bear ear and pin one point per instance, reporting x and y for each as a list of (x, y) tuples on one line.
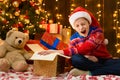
[(9, 33)]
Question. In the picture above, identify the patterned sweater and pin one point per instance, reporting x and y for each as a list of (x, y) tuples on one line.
[(93, 44)]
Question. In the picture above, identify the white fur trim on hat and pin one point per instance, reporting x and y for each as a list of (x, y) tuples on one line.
[(77, 15)]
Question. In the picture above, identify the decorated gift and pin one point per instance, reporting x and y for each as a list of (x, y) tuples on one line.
[(53, 28), (51, 42), (66, 34)]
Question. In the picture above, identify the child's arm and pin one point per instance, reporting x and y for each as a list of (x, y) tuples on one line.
[(86, 47)]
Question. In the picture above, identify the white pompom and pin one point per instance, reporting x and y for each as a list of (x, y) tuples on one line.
[(106, 41)]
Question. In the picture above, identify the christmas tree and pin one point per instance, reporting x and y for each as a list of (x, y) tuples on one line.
[(23, 15)]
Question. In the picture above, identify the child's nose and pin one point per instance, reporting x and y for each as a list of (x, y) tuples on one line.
[(80, 27)]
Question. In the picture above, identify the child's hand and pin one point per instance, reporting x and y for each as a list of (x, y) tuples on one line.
[(45, 52), (92, 58)]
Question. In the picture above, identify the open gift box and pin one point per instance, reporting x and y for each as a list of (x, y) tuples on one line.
[(48, 65), (49, 68)]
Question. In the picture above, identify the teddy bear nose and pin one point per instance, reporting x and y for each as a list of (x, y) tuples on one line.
[(19, 41)]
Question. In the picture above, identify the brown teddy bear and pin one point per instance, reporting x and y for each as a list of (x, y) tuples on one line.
[(12, 52)]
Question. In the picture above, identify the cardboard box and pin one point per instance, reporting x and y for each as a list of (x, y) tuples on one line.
[(49, 68), (47, 65)]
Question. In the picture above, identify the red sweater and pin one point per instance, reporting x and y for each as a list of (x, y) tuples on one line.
[(93, 44)]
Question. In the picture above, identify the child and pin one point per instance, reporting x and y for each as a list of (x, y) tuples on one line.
[(88, 51)]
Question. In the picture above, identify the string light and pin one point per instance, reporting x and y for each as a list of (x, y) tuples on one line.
[(86, 4), (99, 6), (72, 6), (99, 11), (116, 25)]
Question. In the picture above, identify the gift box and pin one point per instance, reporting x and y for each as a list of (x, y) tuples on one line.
[(59, 36), (49, 68), (44, 66), (66, 33), (51, 42), (53, 28)]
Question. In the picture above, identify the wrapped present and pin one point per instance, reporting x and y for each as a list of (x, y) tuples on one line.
[(60, 27), (66, 33), (53, 28), (59, 36), (51, 42)]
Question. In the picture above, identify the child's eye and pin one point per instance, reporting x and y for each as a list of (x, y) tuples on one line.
[(77, 26), (82, 24)]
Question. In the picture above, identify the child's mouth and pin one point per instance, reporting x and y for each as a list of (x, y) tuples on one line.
[(83, 32)]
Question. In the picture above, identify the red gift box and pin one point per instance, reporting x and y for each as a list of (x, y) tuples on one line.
[(51, 42)]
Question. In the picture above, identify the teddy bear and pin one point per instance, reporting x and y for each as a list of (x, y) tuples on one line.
[(12, 52)]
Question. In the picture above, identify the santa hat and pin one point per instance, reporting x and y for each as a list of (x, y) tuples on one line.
[(82, 12)]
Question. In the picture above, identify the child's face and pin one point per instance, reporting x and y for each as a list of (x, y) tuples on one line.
[(81, 25)]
